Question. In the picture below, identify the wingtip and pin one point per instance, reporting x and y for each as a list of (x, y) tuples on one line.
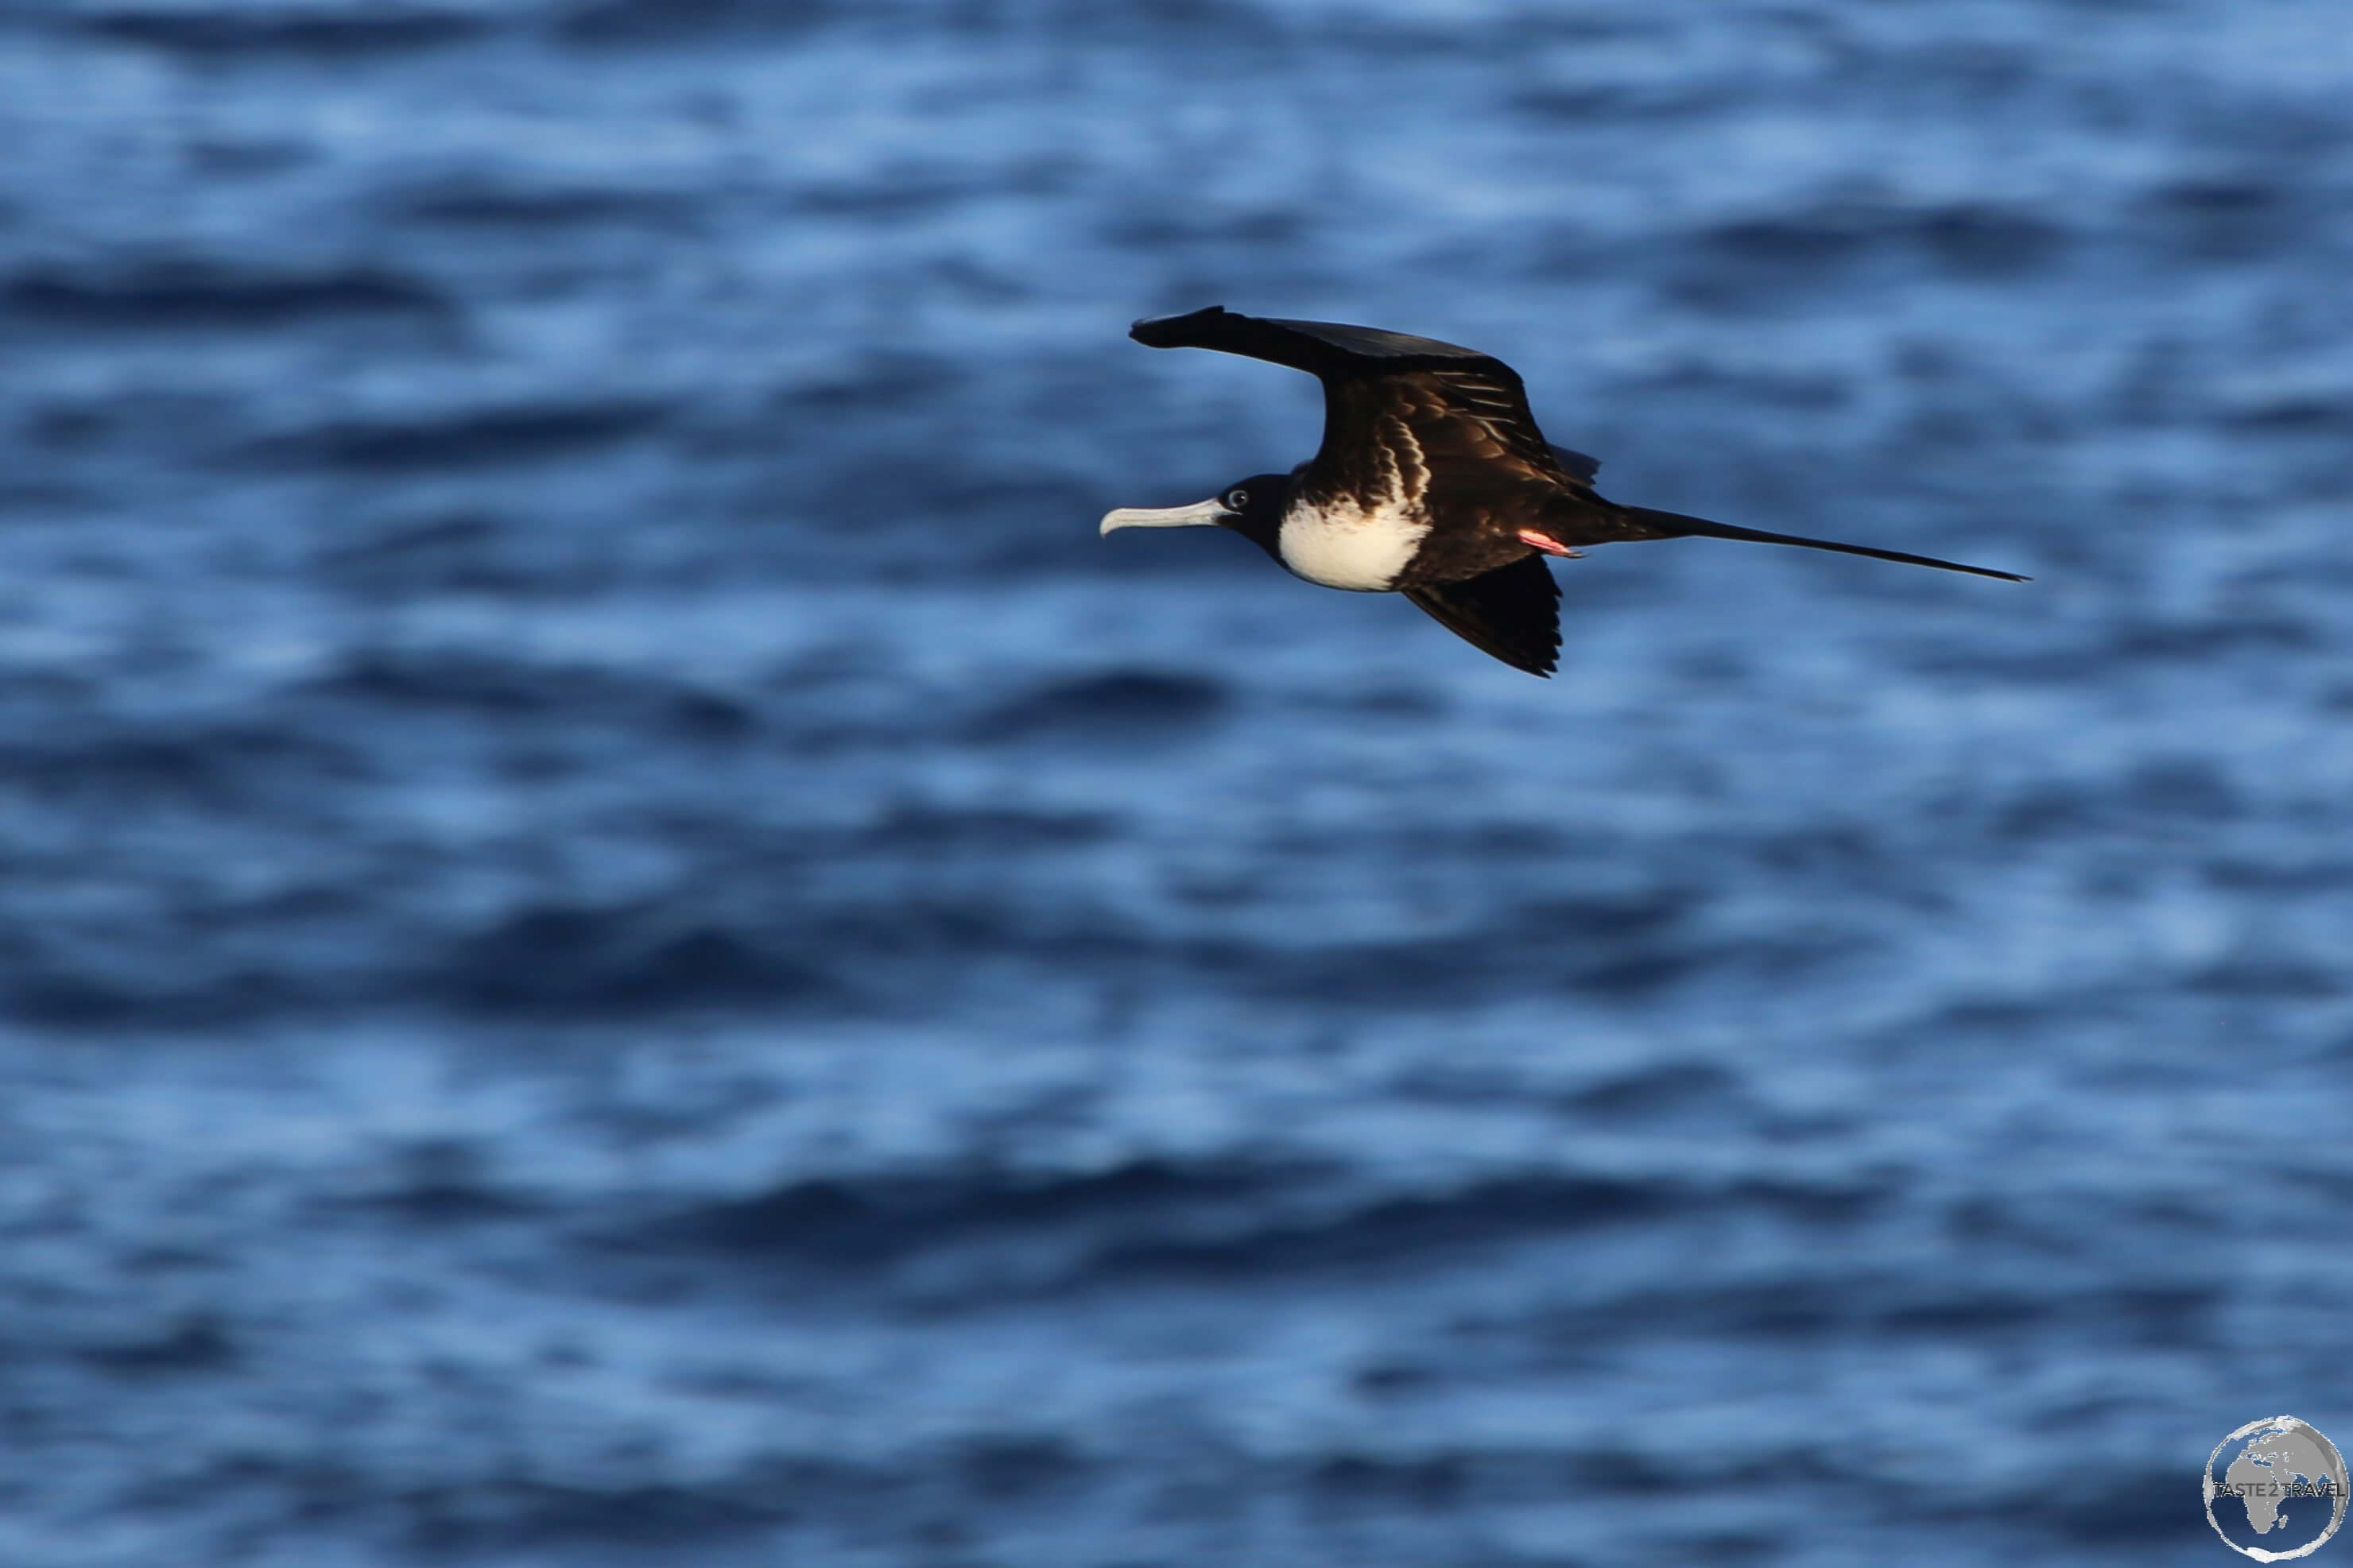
[(1170, 332)]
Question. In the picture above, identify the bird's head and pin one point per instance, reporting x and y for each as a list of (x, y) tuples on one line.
[(1252, 507)]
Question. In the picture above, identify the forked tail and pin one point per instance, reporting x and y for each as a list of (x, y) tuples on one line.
[(1675, 525)]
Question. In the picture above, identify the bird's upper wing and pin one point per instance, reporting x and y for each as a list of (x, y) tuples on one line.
[(1450, 401), (1512, 612)]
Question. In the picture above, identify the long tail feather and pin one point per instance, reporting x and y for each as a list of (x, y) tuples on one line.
[(1675, 525)]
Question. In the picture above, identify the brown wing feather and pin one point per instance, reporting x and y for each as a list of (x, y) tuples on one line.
[(1512, 612), (1481, 411), (1478, 416)]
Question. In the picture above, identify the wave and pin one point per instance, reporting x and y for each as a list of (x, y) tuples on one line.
[(189, 292), (283, 29), (491, 436)]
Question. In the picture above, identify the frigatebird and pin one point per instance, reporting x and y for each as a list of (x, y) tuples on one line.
[(1433, 482)]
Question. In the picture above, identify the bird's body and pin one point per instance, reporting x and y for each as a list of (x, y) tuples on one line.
[(1432, 480)]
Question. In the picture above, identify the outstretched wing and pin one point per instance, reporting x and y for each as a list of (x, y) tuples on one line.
[(1443, 399), (1512, 612)]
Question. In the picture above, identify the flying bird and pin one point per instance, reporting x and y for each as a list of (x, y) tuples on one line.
[(1433, 482)]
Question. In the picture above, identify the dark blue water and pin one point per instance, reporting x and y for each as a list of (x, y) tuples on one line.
[(623, 941)]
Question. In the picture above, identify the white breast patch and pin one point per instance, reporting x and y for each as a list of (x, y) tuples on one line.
[(1343, 546)]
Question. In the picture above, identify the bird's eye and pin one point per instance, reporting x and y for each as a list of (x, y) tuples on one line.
[(1238, 501)]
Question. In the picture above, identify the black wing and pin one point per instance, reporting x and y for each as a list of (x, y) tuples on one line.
[(1512, 612), (1454, 402), (1319, 348)]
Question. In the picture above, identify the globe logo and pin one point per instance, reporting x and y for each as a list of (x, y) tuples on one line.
[(2276, 1490)]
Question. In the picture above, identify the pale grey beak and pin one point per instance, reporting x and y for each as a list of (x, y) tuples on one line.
[(1200, 514)]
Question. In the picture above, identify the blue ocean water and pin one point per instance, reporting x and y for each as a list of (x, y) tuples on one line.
[(623, 941)]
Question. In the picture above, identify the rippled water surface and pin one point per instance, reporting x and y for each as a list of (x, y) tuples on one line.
[(622, 941)]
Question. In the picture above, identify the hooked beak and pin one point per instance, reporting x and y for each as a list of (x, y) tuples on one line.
[(1201, 514)]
